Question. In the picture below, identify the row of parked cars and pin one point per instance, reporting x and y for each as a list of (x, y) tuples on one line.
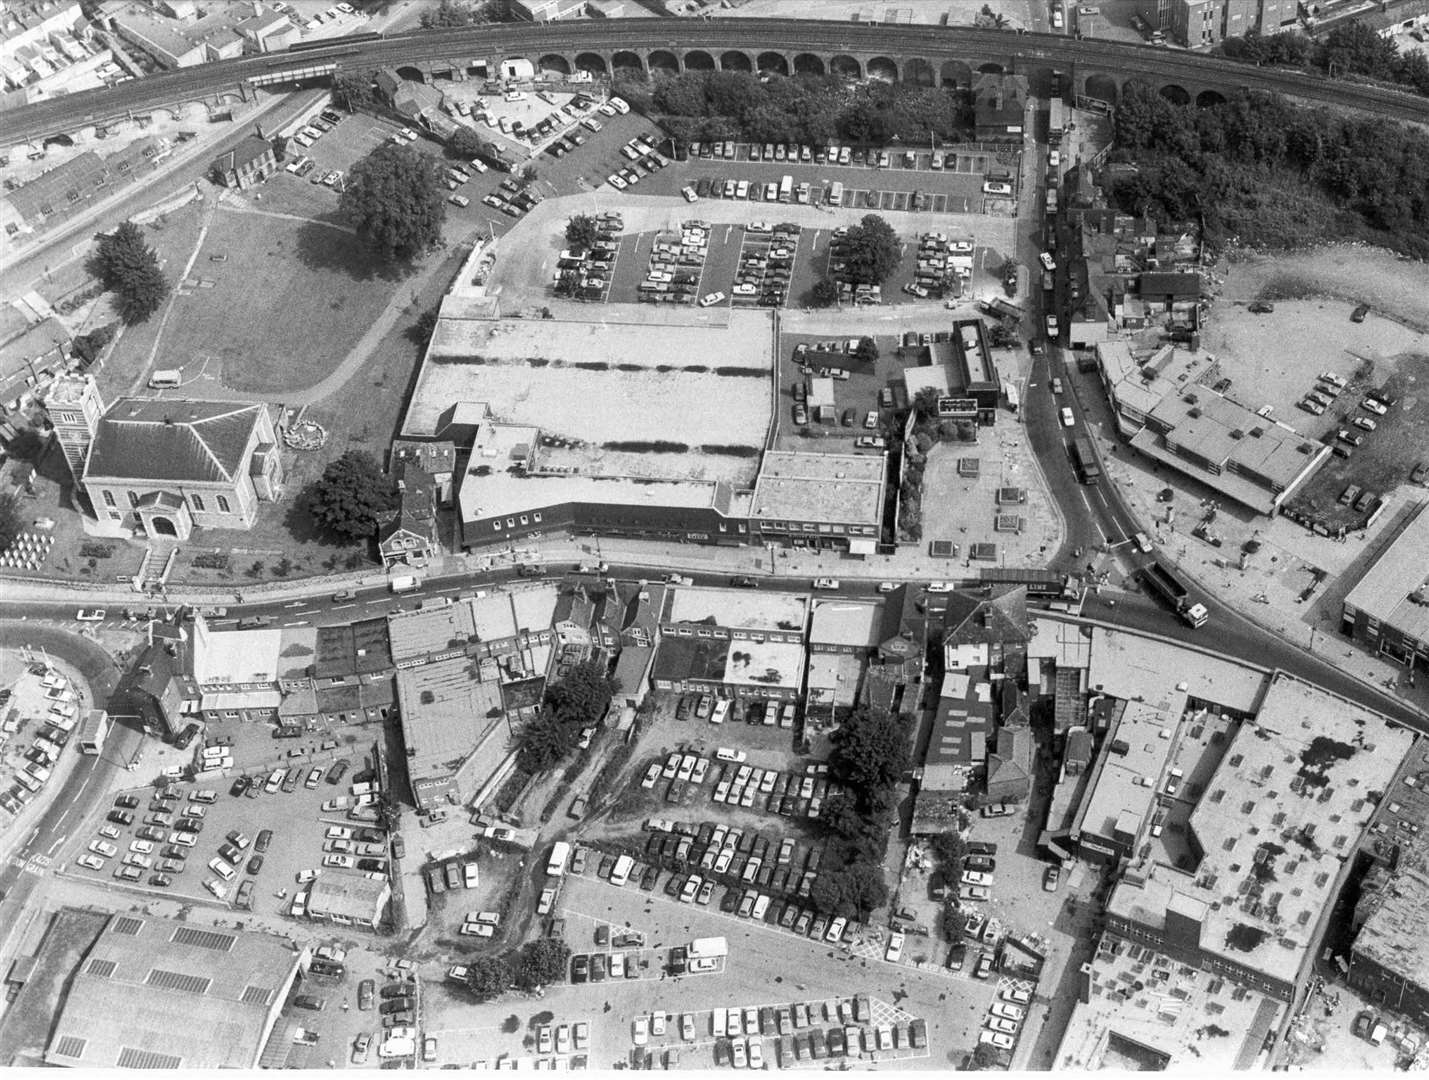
[(766, 263), (1002, 1023), (676, 263), (512, 199), (585, 274), (644, 161), (43, 753), (717, 710), (806, 154)]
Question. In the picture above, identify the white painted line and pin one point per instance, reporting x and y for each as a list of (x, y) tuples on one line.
[(340, 607), (56, 844)]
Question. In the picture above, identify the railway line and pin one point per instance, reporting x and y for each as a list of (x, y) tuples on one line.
[(788, 36)]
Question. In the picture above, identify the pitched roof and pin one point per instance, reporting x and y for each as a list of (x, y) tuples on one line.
[(245, 153), (181, 441), (999, 618)]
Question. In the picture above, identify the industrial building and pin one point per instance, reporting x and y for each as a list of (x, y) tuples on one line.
[(154, 993), (1388, 609)]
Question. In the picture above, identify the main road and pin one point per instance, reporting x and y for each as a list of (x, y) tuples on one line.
[(28, 857), (791, 36)]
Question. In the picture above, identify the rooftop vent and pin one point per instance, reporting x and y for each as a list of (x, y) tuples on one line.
[(1194, 414)]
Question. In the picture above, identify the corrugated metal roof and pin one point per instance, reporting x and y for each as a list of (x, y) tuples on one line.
[(177, 980), (204, 939), (130, 1058)]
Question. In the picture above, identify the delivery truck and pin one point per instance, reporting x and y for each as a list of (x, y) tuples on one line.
[(1164, 582)]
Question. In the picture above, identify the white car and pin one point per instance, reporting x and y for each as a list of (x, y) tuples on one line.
[(689, 193), (711, 299), (725, 753), (476, 929), (96, 615), (826, 583), (1048, 263), (408, 134), (1371, 404), (895, 948), (338, 832), (1068, 420), (1054, 158), (616, 182), (341, 862), (141, 847), (99, 847), (90, 862), (836, 929), (640, 1030)]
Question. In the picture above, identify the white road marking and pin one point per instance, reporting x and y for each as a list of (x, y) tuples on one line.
[(56, 844), (340, 607)]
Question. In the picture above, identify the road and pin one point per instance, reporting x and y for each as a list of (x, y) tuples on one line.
[(787, 36), (88, 781)]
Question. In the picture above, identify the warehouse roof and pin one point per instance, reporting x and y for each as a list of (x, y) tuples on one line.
[(1395, 589)]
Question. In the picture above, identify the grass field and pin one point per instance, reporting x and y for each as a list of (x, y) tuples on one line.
[(288, 300)]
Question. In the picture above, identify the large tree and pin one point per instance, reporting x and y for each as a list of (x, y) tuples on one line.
[(466, 144), (871, 750), (351, 495), (488, 976), (395, 200), (353, 90), (542, 962), (449, 14), (128, 267), (12, 522), (874, 251), (582, 231), (578, 701)]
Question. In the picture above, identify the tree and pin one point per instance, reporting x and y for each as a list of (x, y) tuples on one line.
[(984, 1056), (488, 976), (925, 402), (949, 849), (447, 15), (544, 741), (582, 232), (128, 267), (583, 696), (395, 200), (466, 143), (825, 292), (870, 750), (867, 351), (27, 445), (853, 890), (352, 493), (542, 962), (12, 523), (873, 251), (88, 346), (353, 90)]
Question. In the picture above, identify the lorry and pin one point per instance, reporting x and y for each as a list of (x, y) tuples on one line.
[(1158, 577)]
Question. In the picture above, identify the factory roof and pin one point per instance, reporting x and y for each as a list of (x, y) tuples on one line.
[(797, 486), (742, 609), (1395, 589), (846, 623), (447, 715)]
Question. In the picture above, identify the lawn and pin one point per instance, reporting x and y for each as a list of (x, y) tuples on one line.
[(288, 299)]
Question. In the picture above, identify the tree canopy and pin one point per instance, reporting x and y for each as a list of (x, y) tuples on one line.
[(353, 90), (449, 14), (488, 976), (873, 251), (582, 231), (465, 143), (871, 750), (129, 268), (12, 522), (825, 292), (542, 962), (1333, 176), (395, 200), (867, 351), (1350, 50), (352, 493), (575, 702), (814, 109)]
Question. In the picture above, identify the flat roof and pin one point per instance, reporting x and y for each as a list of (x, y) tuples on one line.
[(833, 678), (921, 378), (1129, 666), (253, 656), (1140, 382), (429, 630), (144, 974), (1143, 1006), (1280, 815), (597, 385), (1124, 788), (738, 609), (492, 616), (846, 622), (1066, 644), (446, 715), (1226, 432), (768, 664), (1395, 589), (795, 485)]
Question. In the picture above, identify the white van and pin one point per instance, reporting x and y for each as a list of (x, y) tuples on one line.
[(992, 187), (166, 379), (620, 874), (717, 1022), (221, 868)]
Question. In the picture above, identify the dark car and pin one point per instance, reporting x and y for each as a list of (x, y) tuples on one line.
[(127, 802), (189, 825), (1359, 313), (597, 967), (376, 865), (401, 1004), (230, 853), (649, 878), (163, 881), (120, 817), (395, 990), (238, 787), (264, 839), (255, 864), (186, 737), (307, 1001), (337, 771), (580, 968)]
